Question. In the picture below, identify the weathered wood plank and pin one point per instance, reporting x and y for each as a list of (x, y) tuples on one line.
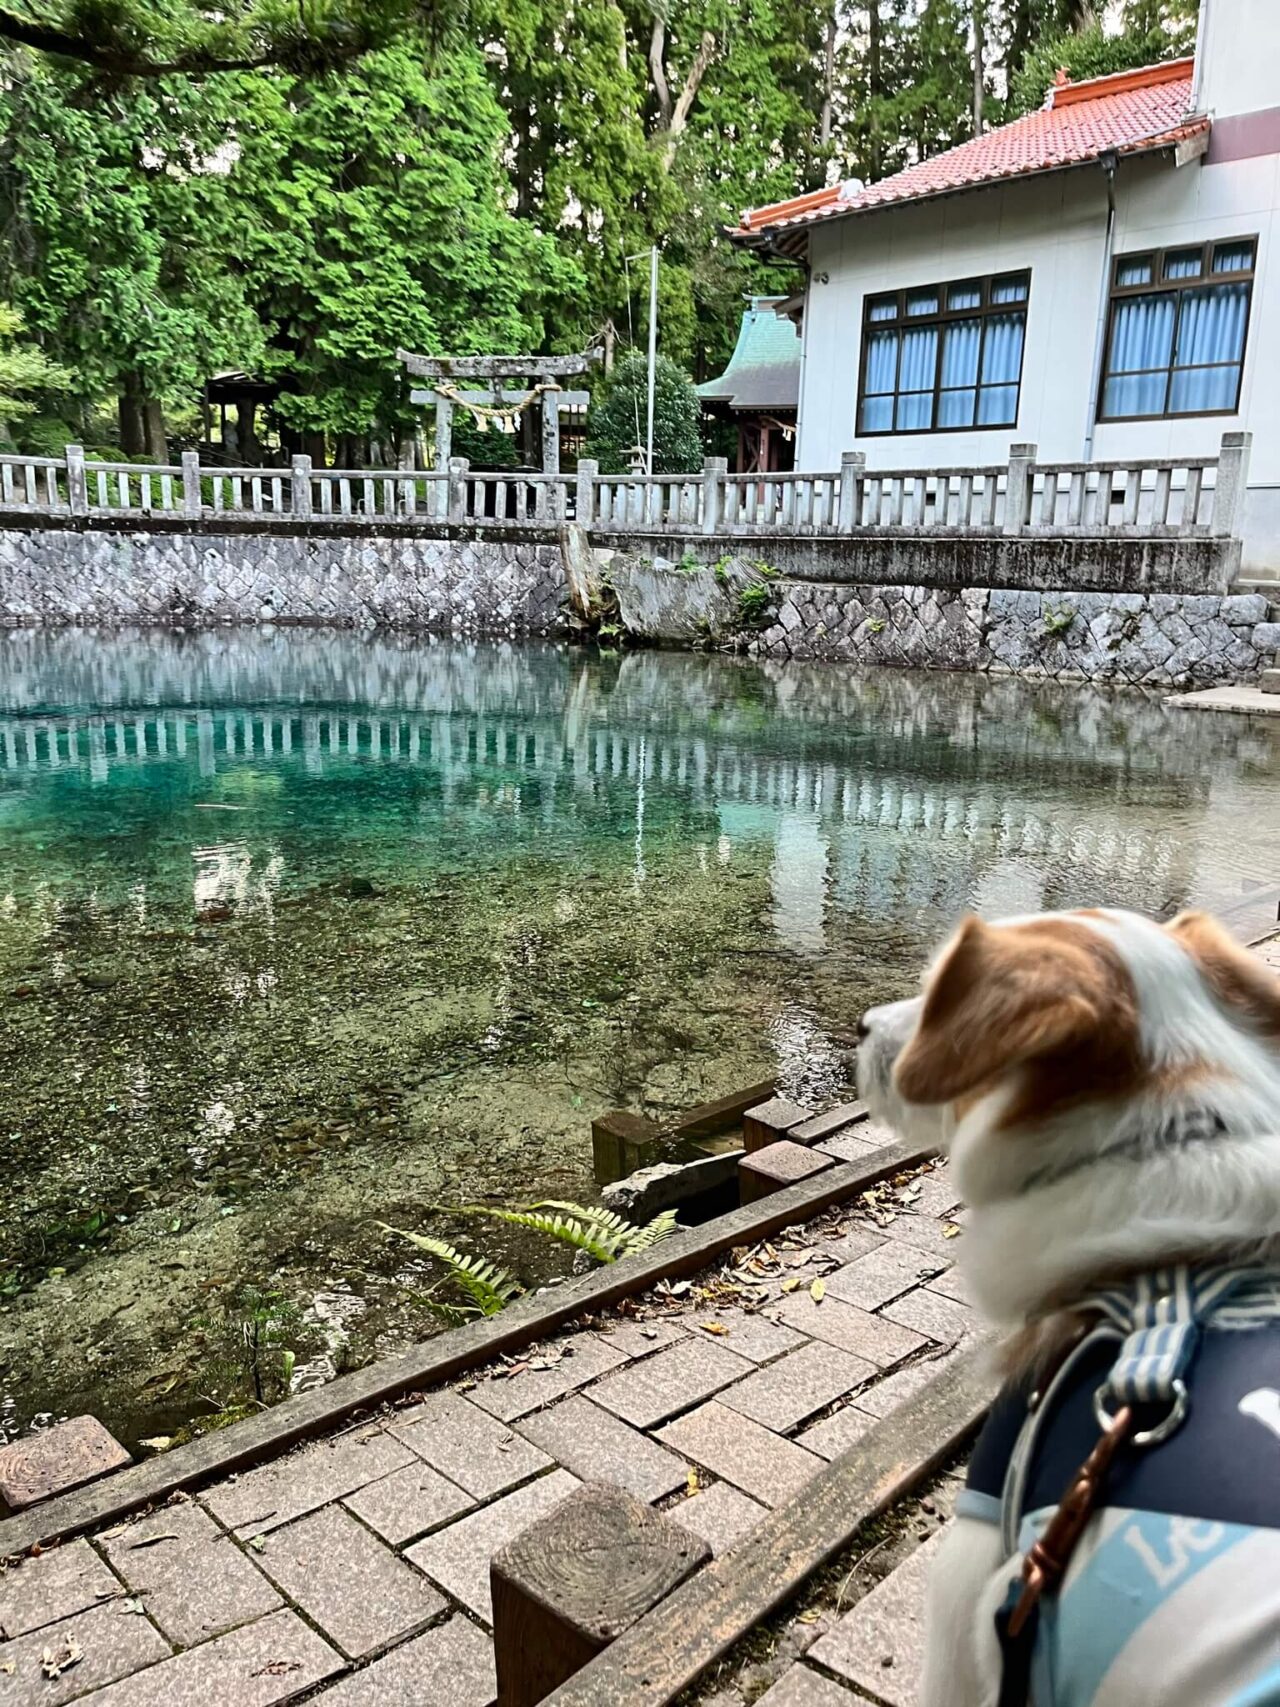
[(710, 1118), (433, 1361), (670, 1649)]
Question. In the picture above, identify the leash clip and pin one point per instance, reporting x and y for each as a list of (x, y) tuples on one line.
[(1167, 1425)]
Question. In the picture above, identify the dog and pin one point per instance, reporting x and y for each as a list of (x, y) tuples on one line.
[(1108, 1092)]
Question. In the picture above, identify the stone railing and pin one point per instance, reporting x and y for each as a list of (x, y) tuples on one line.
[(1190, 497)]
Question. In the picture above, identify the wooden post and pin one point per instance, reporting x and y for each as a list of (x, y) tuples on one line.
[(1229, 488), (551, 431), (77, 481), (714, 470), (776, 1167), (621, 1142), (853, 465), (584, 507), (575, 1581), (457, 494), (191, 482), (1021, 484), (300, 502), (769, 1121)]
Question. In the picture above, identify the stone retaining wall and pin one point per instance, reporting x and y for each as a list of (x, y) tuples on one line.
[(475, 585), (1156, 639)]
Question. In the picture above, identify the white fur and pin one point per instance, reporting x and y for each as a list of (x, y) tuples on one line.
[(1028, 1246)]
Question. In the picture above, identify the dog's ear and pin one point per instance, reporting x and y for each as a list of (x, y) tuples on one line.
[(1238, 979), (998, 998)]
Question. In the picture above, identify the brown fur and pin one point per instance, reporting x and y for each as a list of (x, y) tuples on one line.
[(1049, 997), (1238, 979)]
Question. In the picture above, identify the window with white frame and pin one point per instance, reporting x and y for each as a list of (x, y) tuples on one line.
[(943, 358), (1179, 320)]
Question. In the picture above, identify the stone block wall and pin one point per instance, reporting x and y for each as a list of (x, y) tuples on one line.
[(473, 585), (1150, 639)]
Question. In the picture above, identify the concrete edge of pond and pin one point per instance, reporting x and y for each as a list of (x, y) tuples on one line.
[(674, 1645), (440, 1359)]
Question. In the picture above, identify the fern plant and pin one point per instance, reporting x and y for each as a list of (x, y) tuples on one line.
[(489, 1287), (602, 1235)]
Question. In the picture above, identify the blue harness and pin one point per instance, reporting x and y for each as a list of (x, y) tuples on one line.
[(1130, 1378)]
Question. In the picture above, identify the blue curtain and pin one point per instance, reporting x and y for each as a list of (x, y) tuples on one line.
[(1211, 328), (882, 370), (1001, 366), (916, 372), (960, 346), (1141, 338)]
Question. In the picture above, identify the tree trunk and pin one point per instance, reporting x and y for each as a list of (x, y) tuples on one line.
[(247, 431), (313, 445), (828, 81), (875, 86), (979, 67), (133, 429), (157, 445)]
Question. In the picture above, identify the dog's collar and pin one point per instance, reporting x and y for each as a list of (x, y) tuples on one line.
[(1193, 1126)]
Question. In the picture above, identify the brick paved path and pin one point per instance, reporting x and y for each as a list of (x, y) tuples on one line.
[(355, 1571)]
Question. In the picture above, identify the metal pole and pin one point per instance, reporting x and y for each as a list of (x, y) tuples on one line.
[(653, 352)]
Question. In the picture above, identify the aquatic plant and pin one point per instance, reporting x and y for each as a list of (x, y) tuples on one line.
[(595, 1231)]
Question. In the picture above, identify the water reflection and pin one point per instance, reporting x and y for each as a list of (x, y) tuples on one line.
[(304, 930)]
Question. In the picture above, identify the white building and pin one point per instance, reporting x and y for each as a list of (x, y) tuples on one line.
[(1100, 279)]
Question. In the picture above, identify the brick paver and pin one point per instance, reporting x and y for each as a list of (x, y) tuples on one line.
[(263, 1499), (259, 1665), (193, 1580), (458, 1557), (54, 1585), (451, 1666), (880, 1341), (408, 1503), (600, 1447), (471, 1448), (883, 1274), (645, 1394), (380, 1539), (570, 1364), (113, 1641), (879, 1645), (761, 1463), (720, 1515), (798, 1385)]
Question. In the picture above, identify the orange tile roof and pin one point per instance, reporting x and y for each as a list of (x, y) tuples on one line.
[(1129, 112)]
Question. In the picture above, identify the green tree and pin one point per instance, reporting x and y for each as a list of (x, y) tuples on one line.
[(618, 423), (371, 213), (1151, 32), (115, 246), (25, 371)]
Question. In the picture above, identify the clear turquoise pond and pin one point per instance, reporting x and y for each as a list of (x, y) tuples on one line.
[(300, 931)]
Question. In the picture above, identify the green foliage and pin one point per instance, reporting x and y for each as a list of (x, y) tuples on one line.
[(1058, 621), (25, 372), (754, 603), (488, 1287), (1085, 53), (617, 424), (251, 1348)]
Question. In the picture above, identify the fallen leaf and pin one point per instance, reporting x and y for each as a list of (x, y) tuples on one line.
[(950, 1231), (651, 1333), (277, 1668), (8, 1666), (158, 1443), (791, 1284), (713, 1327), (54, 1661), (691, 1481), (810, 1617), (258, 1543), (818, 1291)]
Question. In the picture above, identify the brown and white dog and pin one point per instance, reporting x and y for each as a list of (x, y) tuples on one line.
[(1108, 1092)]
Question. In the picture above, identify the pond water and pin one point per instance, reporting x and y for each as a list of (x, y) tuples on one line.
[(304, 931)]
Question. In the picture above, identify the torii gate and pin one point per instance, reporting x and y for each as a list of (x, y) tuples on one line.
[(536, 371)]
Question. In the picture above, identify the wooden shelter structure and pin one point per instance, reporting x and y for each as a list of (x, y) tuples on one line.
[(760, 389), (539, 388)]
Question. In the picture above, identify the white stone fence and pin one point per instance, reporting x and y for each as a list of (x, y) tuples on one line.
[(1187, 497)]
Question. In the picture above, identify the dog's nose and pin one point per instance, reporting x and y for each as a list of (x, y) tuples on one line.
[(864, 1030)]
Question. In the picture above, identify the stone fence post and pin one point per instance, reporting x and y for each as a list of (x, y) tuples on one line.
[(1233, 478), (714, 469), (585, 498), (853, 466), (300, 500), (457, 506), (77, 481), (1021, 484), (191, 505)]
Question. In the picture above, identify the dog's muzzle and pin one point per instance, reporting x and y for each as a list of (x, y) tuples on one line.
[(883, 1033)]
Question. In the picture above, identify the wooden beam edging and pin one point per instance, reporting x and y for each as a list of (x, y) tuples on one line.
[(673, 1646), (440, 1359)]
